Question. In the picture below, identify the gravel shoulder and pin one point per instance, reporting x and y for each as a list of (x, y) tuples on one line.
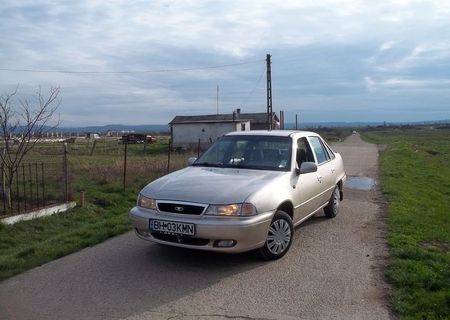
[(334, 270)]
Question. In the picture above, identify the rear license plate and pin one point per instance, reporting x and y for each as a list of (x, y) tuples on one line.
[(172, 227)]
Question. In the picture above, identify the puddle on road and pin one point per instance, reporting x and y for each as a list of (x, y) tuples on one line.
[(360, 183)]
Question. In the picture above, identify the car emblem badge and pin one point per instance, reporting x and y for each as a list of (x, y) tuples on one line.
[(179, 209)]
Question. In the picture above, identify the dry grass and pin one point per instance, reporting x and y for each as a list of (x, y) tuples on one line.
[(105, 170)]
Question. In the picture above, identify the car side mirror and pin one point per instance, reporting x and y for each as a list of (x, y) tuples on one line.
[(191, 160), (306, 167)]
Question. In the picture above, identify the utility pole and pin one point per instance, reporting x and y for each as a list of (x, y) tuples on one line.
[(217, 102), (269, 92), (281, 119), (296, 122)]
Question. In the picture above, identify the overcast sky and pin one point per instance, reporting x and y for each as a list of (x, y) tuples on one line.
[(337, 60)]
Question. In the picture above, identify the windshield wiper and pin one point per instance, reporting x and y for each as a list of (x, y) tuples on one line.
[(208, 164), (238, 165)]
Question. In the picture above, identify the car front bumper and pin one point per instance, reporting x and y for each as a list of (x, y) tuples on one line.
[(246, 233)]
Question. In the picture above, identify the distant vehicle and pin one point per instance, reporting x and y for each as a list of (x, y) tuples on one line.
[(354, 132), (247, 191), (92, 136), (134, 138)]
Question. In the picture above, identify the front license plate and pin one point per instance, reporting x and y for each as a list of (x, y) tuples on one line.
[(172, 227)]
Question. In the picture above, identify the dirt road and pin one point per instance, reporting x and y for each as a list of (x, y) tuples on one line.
[(333, 271)]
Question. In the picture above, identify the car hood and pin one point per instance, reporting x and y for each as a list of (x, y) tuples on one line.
[(210, 185)]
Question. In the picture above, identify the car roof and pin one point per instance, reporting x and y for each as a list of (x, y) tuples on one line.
[(276, 133)]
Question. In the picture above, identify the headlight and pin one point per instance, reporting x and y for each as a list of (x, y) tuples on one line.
[(235, 209), (145, 202)]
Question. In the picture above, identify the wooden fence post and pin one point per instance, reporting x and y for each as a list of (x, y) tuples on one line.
[(125, 165), (66, 175), (168, 155)]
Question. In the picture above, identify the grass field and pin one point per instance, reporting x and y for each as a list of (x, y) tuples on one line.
[(415, 177), (29, 244)]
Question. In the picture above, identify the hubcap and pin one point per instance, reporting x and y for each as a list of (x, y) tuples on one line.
[(336, 199), (279, 236)]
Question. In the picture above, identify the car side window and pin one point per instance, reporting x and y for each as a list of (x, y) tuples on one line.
[(304, 153), (321, 154), (330, 152)]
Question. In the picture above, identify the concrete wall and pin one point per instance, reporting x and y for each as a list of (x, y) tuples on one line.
[(186, 135)]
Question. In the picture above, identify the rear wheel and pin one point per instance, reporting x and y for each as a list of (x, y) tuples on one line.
[(332, 209), (279, 238)]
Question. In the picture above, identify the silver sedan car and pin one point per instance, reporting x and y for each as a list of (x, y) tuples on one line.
[(247, 191)]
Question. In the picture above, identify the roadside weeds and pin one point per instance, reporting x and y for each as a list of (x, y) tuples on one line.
[(416, 182)]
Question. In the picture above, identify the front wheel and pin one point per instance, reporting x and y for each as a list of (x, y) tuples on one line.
[(332, 209), (279, 238)]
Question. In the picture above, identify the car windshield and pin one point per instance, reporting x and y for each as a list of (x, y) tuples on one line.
[(249, 152)]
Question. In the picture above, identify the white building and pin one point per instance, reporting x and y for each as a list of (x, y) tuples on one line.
[(186, 131)]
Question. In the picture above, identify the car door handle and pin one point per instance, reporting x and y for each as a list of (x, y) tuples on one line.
[(333, 170), (319, 178)]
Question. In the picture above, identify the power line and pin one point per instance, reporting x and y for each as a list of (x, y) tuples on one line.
[(254, 88), (131, 72)]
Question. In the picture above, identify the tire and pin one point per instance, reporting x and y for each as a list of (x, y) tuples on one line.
[(332, 209), (279, 237)]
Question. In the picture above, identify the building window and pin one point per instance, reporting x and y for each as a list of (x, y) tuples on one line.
[(242, 126)]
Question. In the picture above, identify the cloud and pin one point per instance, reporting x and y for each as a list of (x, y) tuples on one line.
[(387, 45), (422, 54), (341, 49), (407, 84), (370, 84)]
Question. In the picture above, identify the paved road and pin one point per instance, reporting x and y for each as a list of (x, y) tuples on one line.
[(333, 271)]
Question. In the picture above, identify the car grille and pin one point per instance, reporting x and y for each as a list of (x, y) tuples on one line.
[(180, 208), (180, 239)]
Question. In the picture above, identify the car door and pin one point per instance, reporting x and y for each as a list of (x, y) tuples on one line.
[(307, 186), (325, 168)]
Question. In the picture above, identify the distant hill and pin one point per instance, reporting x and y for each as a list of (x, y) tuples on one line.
[(291, 125), (163, 128), (303, 125), (146, 128)]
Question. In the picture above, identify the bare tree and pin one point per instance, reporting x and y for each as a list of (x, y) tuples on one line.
[(23, 122)]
